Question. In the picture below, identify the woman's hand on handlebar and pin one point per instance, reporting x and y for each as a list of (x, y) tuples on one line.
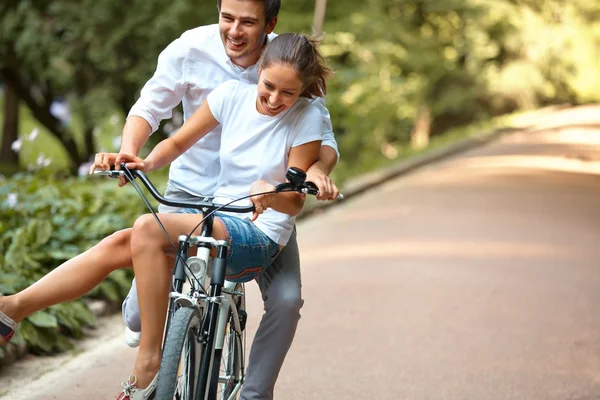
[(263, 201)]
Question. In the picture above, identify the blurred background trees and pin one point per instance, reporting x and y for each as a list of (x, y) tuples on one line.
[(406, 69)]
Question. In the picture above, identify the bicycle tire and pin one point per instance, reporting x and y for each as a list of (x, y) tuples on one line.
[(181, 355), (230, 368)]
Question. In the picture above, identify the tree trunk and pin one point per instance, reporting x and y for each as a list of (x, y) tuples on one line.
[(43, 115), (319, 16), (419, 137), (10, 128)]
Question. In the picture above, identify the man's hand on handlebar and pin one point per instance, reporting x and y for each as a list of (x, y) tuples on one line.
[(327, 188), (107, 161)]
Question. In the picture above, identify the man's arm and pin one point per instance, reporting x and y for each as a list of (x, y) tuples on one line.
[(318, 173), (327, 161), (135, 134), (159, 96)]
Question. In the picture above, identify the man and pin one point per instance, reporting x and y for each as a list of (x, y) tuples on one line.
[(188, 69)]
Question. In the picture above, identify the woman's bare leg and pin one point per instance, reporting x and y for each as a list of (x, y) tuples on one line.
[(153, 278), (72, 279)]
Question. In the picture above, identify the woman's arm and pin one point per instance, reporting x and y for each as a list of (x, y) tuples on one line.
[(290, 203), (195, 128)]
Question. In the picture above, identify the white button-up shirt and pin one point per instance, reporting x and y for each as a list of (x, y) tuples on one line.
[(187, 71)]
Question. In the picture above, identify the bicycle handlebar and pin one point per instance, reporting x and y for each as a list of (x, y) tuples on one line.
[(169, 202), (296, 176)]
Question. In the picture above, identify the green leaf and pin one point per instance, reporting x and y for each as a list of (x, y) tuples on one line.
[(43, 319), (110, 290), (63, 344), (9, 282), (39, 232), (18, 338), (15, 256), (41, 339)]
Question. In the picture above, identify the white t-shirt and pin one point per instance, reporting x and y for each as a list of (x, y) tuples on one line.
[(256, 146), (187, 71)]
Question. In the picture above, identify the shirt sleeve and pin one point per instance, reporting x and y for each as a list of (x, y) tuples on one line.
[(328, 137), (308, 127), (164, 91), (219, 99)]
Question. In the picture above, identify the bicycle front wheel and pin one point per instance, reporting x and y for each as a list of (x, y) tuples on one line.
[(182, 351), (231, 368)]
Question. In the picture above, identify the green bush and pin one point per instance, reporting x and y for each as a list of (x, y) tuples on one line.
[(44, 222)]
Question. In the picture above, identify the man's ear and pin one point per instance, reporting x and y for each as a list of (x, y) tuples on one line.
[(271, 25)]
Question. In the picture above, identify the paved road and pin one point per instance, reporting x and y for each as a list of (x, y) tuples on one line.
[(477, 278)]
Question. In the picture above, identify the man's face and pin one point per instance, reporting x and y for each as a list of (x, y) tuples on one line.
[(244, 30)]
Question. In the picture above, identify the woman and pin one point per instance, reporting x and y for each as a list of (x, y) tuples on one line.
[(266, 128)]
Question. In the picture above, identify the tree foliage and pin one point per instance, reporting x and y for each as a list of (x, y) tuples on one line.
[(44, 223), (454, 61), (97, 54)]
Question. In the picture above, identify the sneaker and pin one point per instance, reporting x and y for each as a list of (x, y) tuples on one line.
[(132, 392), (132, 338)]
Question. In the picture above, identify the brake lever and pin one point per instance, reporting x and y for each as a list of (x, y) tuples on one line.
[(109, 173), (305, 187), (283, 187)]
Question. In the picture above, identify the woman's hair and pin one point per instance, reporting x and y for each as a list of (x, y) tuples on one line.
[(300, 52)]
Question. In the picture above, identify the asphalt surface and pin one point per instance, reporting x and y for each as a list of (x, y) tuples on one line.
[(474, 278)]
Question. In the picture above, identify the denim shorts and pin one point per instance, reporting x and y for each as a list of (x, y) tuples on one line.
[(250, 249)]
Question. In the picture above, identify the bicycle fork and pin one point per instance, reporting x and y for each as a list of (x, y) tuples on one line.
[(210, 357)]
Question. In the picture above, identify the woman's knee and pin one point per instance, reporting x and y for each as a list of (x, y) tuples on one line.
[(116, 241), (143, 231)]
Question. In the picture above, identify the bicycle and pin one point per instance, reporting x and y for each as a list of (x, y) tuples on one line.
[(204, 345)]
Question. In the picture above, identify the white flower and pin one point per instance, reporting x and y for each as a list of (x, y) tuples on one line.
[(12, 200), (169, 128), (42, 160), (177, 118), (16, 145), (33, 134), (60, 110), (84, 168), (116, 142)]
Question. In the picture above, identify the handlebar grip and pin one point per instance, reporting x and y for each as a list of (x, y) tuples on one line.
[(311, 188)]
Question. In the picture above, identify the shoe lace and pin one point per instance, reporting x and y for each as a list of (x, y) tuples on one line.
[(129, 387)]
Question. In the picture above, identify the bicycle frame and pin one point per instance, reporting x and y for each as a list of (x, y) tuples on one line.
[(218, 302), (221, 296)]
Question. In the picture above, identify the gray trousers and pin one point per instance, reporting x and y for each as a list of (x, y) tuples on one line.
[(280, 286)]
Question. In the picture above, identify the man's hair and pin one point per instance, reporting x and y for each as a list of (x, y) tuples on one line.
[(300, 52), (271, 8)]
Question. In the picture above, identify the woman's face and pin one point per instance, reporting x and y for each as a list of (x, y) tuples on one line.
[(279, 87)]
